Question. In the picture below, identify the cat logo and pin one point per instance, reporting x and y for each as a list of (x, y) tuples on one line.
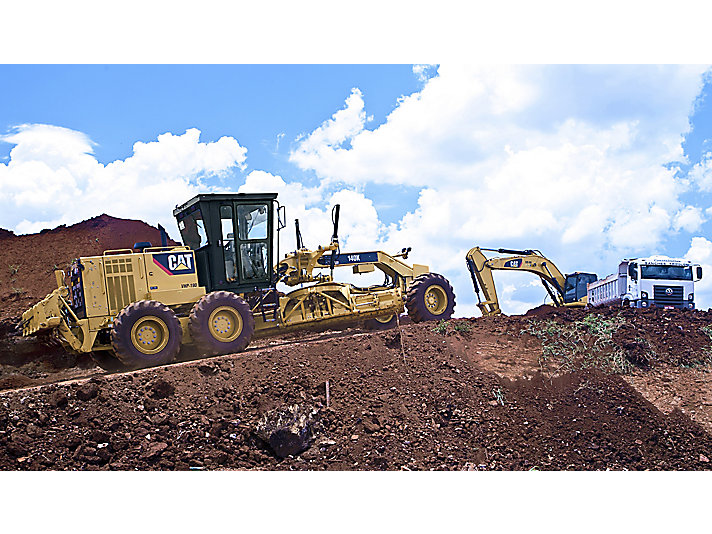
[(513, 264), (182, 263)]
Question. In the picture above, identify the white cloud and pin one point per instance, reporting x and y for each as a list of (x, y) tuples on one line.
[(570, 160), (53, 177), (701, 252), (689, 219), (701, 173)]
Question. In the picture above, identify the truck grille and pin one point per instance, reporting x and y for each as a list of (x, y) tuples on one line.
[(663, 295)]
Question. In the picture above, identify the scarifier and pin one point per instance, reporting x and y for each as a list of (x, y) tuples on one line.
[(135, 308)]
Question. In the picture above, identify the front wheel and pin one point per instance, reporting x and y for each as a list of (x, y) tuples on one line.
[(221, 323), (430, 298)]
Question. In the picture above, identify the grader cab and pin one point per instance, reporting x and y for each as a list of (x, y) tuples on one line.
[(138, 307)]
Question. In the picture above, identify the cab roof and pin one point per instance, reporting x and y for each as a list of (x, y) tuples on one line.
[(209, 197)]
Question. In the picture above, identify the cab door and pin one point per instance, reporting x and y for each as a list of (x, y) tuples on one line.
[(253, 242)]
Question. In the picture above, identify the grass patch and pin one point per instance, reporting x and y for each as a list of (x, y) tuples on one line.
[(441, 327), (583, 344), (463, 328)]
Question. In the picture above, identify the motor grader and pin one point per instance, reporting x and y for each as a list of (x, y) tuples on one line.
[(568, 290), (134, 308)]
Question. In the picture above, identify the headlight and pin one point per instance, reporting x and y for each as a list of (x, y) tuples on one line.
[(643, 294), (644, 304), (690, 296)]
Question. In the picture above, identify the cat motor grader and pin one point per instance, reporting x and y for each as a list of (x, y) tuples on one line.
[(565, 290), (135, 308)]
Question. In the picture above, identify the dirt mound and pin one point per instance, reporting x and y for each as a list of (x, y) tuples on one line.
[(26, 273), (6, 233), (429, 406)]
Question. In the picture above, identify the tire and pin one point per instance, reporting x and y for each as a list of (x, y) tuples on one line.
[(159, 325), (221, 323), (430, 298), (378, 323), (107, 360)]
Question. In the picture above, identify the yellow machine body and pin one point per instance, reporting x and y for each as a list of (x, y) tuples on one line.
[(558, 286)]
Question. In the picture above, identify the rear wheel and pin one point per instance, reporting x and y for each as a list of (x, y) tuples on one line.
[(146, 333), (220, 323), (430, 298), (381, 323)]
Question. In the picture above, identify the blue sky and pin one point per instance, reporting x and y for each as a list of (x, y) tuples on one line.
[(589, 163)]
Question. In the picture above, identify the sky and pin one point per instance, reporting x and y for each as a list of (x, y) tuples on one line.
[(587, 163)]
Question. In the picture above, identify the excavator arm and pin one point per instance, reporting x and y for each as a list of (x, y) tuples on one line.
[(531, 261)]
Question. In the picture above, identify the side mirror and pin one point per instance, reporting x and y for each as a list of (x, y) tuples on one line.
[(281, 217), (699, 272), (633, 271)]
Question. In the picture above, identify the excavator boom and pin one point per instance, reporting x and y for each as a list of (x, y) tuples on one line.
[(532, 261)]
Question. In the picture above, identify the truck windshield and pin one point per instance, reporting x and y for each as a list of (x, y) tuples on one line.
[(666, 272)]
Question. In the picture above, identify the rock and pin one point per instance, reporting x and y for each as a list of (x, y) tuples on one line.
[(58, 399), (370, 426), (207, 369), (154, 450), (87, 391), (287, 430), (160, 388), (704, 458), (100, 436)]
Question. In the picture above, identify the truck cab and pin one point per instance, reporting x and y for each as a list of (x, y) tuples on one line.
[(658, 282)]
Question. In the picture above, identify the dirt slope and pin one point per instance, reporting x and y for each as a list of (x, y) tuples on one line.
[(436, 407)]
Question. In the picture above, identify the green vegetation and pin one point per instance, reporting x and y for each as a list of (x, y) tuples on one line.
[(583, 344), (14, 269), (707, 351), (462, 327), (441, 327)]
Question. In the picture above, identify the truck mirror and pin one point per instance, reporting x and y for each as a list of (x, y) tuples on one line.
[(699, 272), (633, 271)]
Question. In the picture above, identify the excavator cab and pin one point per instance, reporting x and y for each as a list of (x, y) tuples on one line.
[(575, 288), (232, 235)]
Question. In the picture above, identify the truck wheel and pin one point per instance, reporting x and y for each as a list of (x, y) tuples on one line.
[(107, 360), (430, 298), (146, 333), (221, 323), (381, 323)]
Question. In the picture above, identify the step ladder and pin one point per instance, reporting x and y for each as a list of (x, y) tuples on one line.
[(267, 308)]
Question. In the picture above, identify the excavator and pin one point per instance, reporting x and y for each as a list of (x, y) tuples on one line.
[(565, 290)]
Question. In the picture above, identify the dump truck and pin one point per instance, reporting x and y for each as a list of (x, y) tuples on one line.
[(565, 290), (139, 307), (656, 281)]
